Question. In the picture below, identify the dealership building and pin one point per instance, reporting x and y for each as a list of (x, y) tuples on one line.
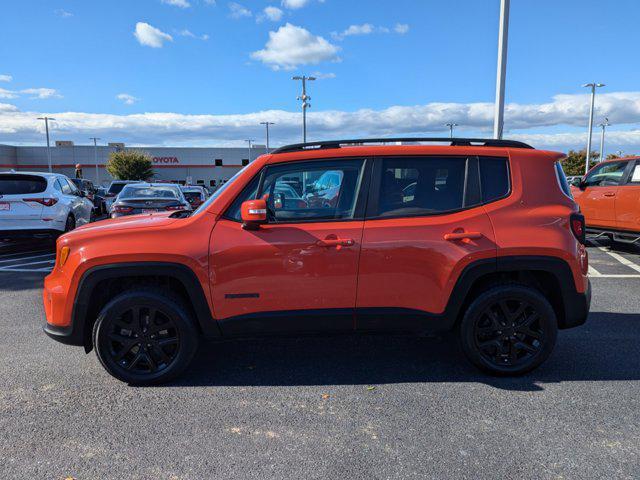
[(198, 166)]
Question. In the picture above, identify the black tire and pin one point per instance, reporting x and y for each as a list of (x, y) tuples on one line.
[(70, 223), (145, 337), (509, 330)]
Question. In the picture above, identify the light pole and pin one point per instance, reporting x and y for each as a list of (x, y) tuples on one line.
[(593, 87), (503, 37), (249, 141), (46, 127), (451, 125), (603, 125), (266, 124), (305, 104), (95, 157)]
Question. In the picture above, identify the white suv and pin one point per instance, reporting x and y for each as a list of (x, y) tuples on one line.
[(40, 204)]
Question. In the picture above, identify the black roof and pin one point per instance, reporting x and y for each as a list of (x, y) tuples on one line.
[(454, 142)]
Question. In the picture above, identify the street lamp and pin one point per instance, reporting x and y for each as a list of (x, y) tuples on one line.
[(593, 87), (305, 104), (603, 125), (503, 36), (249, 141), (95, 157), (266, 124), (451, 125), (46, 126)]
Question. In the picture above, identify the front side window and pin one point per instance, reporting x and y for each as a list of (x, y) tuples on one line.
[(421, 186), (606, 175), (313, 191)]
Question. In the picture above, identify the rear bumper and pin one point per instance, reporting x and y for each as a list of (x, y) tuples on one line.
[(576, 307)]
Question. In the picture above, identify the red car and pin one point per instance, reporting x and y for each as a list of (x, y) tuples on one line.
[(417, 239)]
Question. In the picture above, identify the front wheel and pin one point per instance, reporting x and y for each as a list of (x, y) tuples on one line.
[(509, 330), (144, 337)]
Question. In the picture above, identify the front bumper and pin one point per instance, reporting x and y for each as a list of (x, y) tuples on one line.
[(58, 320)]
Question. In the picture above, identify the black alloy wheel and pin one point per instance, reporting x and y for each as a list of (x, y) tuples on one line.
[(509, 330), (144, 337)]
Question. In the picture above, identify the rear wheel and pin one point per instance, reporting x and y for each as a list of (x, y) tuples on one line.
[(509, 330), (144, 337)]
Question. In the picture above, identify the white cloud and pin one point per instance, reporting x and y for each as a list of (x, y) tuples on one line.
[(6, 78), (238, 11), (4, 93), (127, 99), (150, 36), (177, 3), (41, 93), (63, 13), (7, 107), (271, 13), (294, 4), (566, 114), (291, 46), (368, 29), (189, 33), (323, 76)]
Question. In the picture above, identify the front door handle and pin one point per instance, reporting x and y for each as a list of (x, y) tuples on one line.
[(335, 242), (462, 236), (609, 194)]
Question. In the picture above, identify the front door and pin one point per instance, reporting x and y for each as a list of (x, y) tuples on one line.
[(598, 198), (299, 271), (628, 201)]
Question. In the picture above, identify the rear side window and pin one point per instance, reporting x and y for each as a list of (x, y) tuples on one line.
[(421, 186), (21, 184), (116, 188), (494, 178)]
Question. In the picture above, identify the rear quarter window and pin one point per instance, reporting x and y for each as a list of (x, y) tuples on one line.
[(562, 180), (494, 178), (21, 184)]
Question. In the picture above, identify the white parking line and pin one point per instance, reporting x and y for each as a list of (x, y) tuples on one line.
[(593, 272), (7, 255), (625, 261)]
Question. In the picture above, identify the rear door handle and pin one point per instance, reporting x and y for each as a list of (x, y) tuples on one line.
[(609, 194), (335, 242), (462, 236)]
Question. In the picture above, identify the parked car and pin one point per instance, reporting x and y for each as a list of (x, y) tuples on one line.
[(194, 194), (574, 180), (91, 193), (42, 205), (609, 199), (114, 189), (473, 247), (136, 198)]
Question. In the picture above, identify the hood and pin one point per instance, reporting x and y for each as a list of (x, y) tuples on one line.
[(130, 222)]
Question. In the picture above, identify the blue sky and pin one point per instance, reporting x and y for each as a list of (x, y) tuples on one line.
[(207, 70)]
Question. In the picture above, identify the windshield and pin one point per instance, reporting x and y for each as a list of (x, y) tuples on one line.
[(134, 191), (116, 188), (217, 193)]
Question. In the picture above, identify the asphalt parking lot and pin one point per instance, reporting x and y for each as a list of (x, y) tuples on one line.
[(347, 407)]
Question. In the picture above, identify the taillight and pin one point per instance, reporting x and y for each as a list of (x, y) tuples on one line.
[(174, 207), (120, 209), (47, 202), (578, 227)]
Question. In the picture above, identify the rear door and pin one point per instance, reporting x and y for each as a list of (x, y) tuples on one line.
[(19, 207), (425, 222), (628, 200), (597, 200)]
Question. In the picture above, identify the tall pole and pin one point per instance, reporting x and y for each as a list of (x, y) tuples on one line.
[(451, 125), (593, 87), (503, 37), (305, 103), (46, 127), (266, 124), (95, 157), (249, 140), (603, 125)]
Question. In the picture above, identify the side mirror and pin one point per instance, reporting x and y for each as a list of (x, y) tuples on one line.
[(253, 213), (582, 185)]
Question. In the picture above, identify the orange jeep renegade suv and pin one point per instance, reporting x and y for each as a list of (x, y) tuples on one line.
[(609, 198), (343, 236)]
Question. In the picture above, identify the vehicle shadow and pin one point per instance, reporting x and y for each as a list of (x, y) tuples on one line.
[(606, 348)]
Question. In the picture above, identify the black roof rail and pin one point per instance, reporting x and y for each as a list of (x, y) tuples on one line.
[(454, 142)]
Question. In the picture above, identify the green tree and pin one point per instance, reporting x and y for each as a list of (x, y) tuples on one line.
[(130, 165), (573, 164)]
